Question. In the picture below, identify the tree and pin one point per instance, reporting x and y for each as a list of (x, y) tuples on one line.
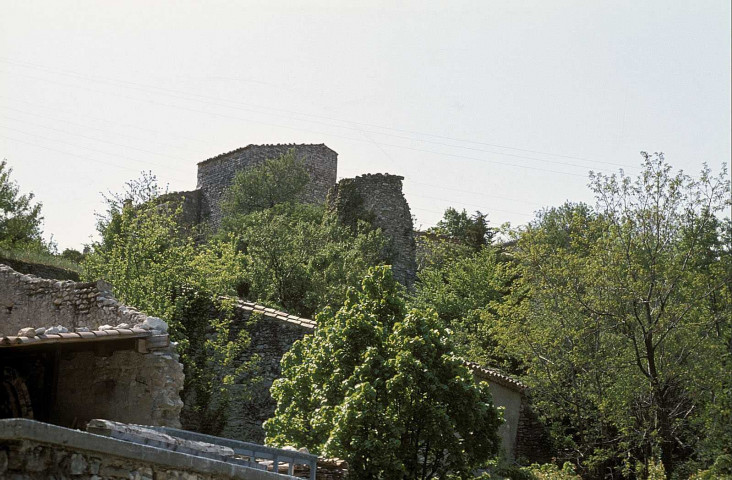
[(470, 230), (156, 268), (278, 180), (380, 387), (20, 218), (465, 293), (623, 317)]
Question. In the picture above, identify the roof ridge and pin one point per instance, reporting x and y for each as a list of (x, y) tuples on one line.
[(496, 375), (277, 314)]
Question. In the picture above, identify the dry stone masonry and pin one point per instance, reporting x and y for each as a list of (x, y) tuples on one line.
[(216, 174), (27, 300), (378, 198), (75, 344)]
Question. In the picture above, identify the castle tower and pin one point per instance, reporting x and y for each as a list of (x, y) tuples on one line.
[(378, 198), (216, 174)]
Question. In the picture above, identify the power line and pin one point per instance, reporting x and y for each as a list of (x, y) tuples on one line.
[(98, 140), (495, 162), (77, 146), (187, 96), (90, 127), (218, 100)]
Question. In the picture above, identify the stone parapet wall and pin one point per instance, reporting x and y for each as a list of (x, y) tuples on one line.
[(379, 199), (272, 337), (27, 300), (216, 174), (37, 451)]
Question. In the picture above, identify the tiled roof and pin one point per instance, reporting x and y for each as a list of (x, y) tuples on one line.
[(251, 145), (276, 314), (94, 335), (495, 376)]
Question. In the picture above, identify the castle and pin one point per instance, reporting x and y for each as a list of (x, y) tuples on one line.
[(377, 196)]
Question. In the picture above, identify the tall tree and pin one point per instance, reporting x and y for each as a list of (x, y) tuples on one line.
[(623, 317), (20, 217), (380, 387)]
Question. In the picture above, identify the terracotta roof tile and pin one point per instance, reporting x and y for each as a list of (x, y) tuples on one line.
[(496, 377), (71, 337)]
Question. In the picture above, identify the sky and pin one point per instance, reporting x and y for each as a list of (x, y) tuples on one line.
[(497, 106)]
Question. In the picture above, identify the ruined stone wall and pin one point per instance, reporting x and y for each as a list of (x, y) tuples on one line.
[(26, 300), (533, 442), (271, 338), (40, 270), (216, 174), (127, 386), (190, 203), (379, 199)]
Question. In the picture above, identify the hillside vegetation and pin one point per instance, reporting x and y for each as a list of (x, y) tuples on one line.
[(617, 315)]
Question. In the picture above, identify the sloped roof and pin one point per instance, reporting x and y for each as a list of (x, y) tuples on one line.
[(82, 336), (495, 376), (276, 314)]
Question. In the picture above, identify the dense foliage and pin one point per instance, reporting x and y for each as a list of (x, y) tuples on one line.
[(294, 256), (20, 217), (470, 230), (156, 267), (298, 258), (380, 387), (622, 317)]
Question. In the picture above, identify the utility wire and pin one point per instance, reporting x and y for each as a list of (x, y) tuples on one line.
[(495, 162), (229, 102)]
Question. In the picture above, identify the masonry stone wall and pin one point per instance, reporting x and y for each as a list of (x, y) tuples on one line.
[(190, 203), (40, 270), (27, 300), (271, 338), (126, 386), (216, 174), (379, 199)]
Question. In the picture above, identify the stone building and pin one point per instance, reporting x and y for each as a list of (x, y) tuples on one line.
[(216, 174), (69, 352), (377, 198)]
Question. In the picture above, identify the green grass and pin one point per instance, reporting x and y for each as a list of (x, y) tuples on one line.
[(41, 258)]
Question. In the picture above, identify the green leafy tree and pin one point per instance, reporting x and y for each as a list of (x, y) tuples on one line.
[(278, 180), (623, 318), (381, 387), (154, 267), (470, 230), (298, 258), (466, 293), (20, 217)]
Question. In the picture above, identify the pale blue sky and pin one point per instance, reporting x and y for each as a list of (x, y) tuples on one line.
[(498, 106)]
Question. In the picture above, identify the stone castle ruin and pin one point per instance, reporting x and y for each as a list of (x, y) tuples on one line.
[(374, 197)]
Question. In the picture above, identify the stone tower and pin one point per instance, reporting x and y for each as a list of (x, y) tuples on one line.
[(216, 174), (379, 199)]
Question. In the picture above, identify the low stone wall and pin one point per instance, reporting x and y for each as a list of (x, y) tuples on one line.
[(27, 300), (38, 451)]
